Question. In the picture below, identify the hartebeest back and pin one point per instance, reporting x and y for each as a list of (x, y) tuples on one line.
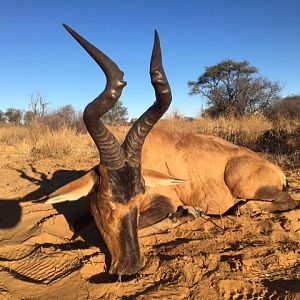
[(140, 182)]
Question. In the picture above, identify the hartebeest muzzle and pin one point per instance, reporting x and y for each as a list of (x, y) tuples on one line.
[(130, 260)]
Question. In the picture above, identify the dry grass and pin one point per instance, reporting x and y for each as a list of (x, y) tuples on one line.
[(58, 144), (281, 138), (38, 141), (244, 131), (13, 135)]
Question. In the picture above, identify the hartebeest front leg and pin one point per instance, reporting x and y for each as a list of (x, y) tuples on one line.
[(183, 215)]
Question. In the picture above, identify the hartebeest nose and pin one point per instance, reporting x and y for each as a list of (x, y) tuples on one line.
[(128, 267), (128, 260)]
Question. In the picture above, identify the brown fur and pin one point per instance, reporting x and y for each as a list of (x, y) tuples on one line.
[(219, 173), (107, 214), (196, 170), (192, 170)]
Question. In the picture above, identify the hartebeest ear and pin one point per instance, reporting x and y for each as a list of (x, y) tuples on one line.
[(154, 178), (73, 190)]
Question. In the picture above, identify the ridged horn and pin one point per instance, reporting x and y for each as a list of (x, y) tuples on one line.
[(111, 154), (136, 136)]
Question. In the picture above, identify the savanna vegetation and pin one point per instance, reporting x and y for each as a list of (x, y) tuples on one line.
[(252, 256), (234, 88), (57, 136), (242, 107)]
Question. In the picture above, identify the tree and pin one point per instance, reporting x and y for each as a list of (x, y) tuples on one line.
[(28, 117), (288, 107), (13, 116), (117, 115), (38, 107), (234, 88), (38, 104), (63, 116), (2, 117)]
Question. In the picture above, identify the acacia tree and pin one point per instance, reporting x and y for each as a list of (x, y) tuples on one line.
[(117, 115), (234, 88)]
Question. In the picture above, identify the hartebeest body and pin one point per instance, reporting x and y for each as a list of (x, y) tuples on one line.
[(140, 182)]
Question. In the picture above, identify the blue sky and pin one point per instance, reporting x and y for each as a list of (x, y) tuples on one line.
[(37, 53)]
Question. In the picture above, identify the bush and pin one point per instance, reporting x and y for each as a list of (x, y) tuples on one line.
[(288, 107)]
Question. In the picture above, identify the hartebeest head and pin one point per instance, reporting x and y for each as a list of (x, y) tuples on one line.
[(116, 185)]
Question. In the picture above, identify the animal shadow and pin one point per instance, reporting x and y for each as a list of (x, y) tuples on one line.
[(11, 210), (283, 286), (10, 213), (76, 213), (45, 185), (111, 278)]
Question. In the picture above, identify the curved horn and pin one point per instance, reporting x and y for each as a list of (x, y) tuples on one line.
[(111, 154), (136, 136)]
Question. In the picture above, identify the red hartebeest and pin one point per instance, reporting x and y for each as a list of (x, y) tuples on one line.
[(140, 182)]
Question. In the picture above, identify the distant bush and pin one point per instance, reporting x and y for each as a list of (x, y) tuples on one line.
[(65, 116), (116, 116), (288, 107), (279, 141)]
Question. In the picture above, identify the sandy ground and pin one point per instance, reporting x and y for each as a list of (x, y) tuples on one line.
[(233, 257)]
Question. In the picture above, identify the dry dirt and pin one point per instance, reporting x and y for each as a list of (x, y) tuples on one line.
[(233, 257)]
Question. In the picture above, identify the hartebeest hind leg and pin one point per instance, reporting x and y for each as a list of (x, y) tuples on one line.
[(159, 218), (260, 182)]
